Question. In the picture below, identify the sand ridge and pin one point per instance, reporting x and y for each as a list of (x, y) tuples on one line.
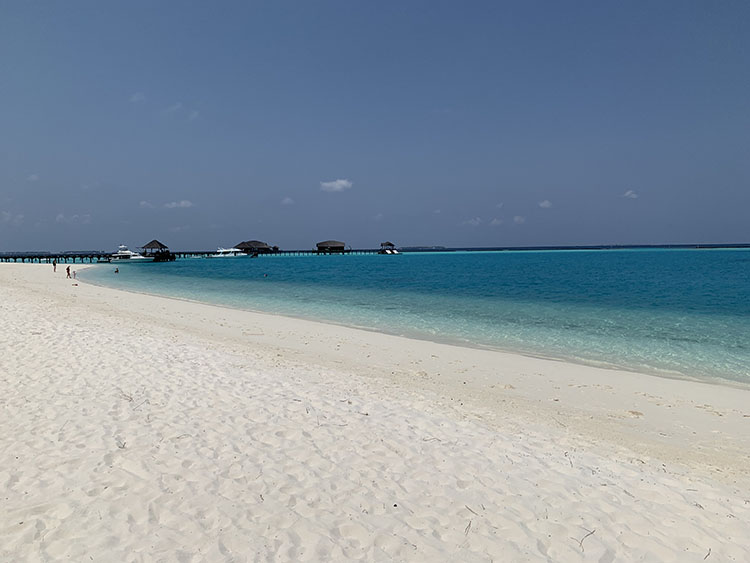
[(138, 428)]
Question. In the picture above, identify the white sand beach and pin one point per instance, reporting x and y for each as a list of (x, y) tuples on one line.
[(140, 428)]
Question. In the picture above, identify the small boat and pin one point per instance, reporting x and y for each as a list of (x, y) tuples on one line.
[(123, 253), (227, 253)]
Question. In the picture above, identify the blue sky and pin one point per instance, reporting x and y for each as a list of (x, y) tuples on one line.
[(422, 122)]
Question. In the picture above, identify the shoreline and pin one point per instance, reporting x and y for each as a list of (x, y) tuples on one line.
[(463, 343), (158, 424)]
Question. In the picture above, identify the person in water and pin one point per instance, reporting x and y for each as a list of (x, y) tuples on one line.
[(117, 270)]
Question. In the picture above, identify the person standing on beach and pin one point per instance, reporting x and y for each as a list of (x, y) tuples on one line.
[(54, 266), (67, 270)]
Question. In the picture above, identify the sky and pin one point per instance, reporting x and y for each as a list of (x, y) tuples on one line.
[(203, 124)]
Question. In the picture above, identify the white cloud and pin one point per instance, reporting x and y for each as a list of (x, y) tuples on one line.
[(630, 194), (546, 204), (32, 178), (336, 185), (495, 222), (287, 201), (500, 205), (179, 228), (378, 217), (9, 218), (183, 203), (437, 212), (193, 115), (137, 97), (146, 204), (83, 219), (173, 108), (474, 221), (519, 220)]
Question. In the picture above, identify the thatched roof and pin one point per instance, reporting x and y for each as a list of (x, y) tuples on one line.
[(253, 245), (331, 244), (155, 245), (387, 243)]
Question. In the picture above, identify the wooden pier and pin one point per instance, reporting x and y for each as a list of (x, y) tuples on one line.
[(100, 256), (204, 253), (59, 257)]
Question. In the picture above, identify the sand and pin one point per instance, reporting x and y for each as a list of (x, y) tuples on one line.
[(139, 428)]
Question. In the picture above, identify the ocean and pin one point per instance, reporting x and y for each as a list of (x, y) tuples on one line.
[(678, 313)]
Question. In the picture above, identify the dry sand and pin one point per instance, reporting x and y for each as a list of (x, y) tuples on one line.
[(139, 428)]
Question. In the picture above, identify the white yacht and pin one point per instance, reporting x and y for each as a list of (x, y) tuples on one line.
[(123, 253), (227, 253)]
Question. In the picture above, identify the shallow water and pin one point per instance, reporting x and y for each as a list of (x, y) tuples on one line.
[(678, 312)]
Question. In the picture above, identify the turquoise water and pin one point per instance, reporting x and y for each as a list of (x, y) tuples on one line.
[(669, 312)]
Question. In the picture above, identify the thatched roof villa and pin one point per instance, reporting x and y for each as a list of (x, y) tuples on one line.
[(331, 246), (154, 246), (159, 251), (256, 247), (387, 247)]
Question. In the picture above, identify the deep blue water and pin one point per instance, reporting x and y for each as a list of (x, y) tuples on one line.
[(671, 312)]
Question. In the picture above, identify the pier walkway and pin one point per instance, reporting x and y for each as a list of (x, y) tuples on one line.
[(59, 257), (92, 257), (203, 253)]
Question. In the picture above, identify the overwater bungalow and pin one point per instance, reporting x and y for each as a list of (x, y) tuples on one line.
[(387, 248), (256, 247), (331, 247), (158, 251)]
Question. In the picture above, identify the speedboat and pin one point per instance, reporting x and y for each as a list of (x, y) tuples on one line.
[(227, 253), (123, 253)]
